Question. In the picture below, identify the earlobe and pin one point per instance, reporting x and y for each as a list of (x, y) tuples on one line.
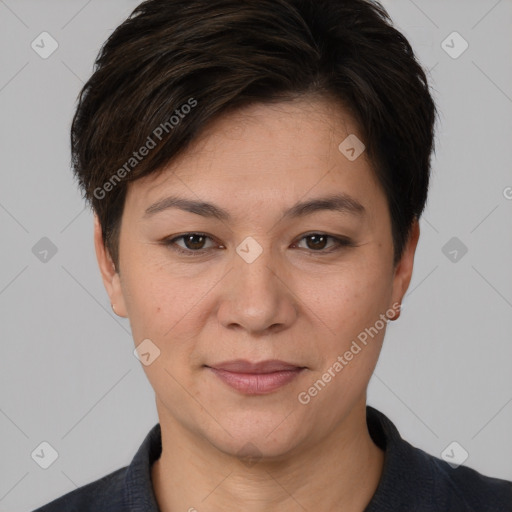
[(404, 268), (109, 274)]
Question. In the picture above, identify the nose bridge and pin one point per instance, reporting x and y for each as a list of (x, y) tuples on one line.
[(254, 271), (258, 298)]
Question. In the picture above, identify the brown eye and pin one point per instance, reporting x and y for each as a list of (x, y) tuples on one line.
[(317, 242), (193, 243)]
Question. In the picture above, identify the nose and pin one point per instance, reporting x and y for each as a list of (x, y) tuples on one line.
[(258, 296)]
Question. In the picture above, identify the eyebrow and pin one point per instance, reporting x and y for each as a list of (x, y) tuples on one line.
[(339, 202)]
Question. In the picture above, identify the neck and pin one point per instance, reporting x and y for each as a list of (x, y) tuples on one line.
[(340, 473)]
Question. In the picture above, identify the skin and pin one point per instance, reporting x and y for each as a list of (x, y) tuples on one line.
[(296, 302)]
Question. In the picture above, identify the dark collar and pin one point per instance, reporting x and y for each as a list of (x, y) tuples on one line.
[(412, 480), (405, 469), (406, 473)]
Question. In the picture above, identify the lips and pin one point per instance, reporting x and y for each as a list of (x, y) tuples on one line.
[(256, 378), (243, 366)]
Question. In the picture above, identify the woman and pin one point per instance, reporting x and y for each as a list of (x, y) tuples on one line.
[(257, 172)]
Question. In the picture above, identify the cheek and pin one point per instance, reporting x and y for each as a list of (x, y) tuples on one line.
[(348, 302), (164, 302), (174, 301), (350, 307)]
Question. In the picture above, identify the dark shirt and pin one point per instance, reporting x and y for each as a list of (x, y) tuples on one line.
[(412, 481)]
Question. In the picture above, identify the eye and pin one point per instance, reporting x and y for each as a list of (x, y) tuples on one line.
[(317, 242), (193, 243)]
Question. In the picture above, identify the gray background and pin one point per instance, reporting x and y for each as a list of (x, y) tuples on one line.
[(68, 375)]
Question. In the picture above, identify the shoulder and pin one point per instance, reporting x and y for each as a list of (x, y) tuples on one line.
[(102, 495), (424, 483), (413, 479), (463, 488), (127, 488)]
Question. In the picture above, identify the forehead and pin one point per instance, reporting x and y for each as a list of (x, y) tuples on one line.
[(266, 154), (301, 128)]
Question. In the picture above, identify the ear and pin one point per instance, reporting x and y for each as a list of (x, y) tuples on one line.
[(403, 269), (109, 274)]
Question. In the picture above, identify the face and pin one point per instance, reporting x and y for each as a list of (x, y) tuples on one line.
[(252, 277)]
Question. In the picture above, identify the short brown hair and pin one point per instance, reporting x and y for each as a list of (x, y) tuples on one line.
[(175, 65)]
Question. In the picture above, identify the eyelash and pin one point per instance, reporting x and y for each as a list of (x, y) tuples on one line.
[(340, 244)]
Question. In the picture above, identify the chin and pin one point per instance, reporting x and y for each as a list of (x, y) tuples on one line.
[(253, 435)]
